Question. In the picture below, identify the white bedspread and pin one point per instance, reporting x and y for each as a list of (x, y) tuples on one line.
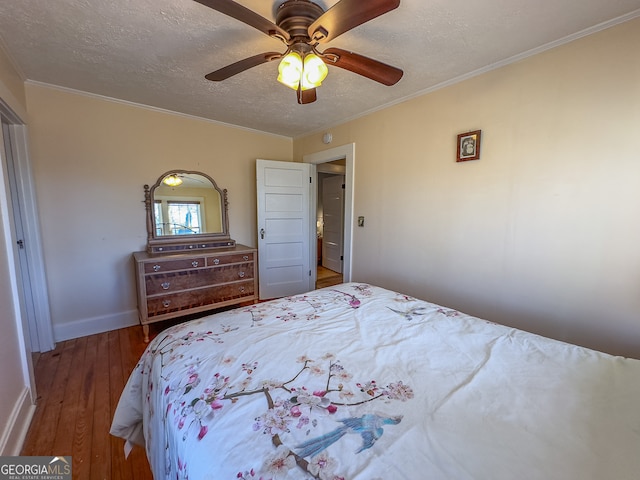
[(358, 382)]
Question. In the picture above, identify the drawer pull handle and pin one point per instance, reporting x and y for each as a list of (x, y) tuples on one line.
[(156, 267), (241, 289), (166, 303), (165, 285), (245, 258), (216, 261), (194, 263), (241, 274)]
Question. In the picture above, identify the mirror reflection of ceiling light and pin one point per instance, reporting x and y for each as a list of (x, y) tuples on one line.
[(172, 180)]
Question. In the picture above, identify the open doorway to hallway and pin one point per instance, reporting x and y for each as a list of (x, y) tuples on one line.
[(330, 206), (343, 155)]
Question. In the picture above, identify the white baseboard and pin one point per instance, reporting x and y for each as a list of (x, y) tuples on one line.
[(91, 326), (15, 431)]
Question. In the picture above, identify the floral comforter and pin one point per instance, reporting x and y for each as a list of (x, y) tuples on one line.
[(358, 382)]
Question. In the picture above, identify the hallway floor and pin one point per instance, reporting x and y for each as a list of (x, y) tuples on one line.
[(327, 278)]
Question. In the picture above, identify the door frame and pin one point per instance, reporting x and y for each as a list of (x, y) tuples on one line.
[(348, 153), (25, 191)]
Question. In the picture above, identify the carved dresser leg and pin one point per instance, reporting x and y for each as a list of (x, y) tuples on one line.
[(145, 331)]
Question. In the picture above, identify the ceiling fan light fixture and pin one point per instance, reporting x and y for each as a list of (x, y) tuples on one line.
[(314, 71), (302, 25), (290, 70), (296, 73), (172, 180)]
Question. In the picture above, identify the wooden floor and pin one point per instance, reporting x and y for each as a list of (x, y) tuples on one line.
[(78, 385), (327, 278)]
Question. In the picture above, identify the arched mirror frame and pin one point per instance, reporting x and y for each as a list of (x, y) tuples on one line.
[(198, 241)]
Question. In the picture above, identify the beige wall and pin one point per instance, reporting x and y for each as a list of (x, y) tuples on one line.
[(91, 158), (541, 233), (13, 371)]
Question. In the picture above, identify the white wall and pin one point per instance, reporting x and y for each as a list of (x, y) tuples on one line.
[(91, 157), (541, 233)]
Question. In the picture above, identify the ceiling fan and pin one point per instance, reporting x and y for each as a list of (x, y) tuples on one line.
[(303, 25)]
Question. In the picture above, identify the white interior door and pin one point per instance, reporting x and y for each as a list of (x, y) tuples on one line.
[(333, 221), (284, 228)]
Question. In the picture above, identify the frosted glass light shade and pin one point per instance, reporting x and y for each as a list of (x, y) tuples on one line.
[(290, 70), (314, 71), (294, 73)]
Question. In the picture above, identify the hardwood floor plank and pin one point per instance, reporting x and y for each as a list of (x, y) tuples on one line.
[(44, 370), (100, 441), (81, 445), (327, 278), (120, 468), (45, 367), (50, 403), (139, 464), (63, 441)]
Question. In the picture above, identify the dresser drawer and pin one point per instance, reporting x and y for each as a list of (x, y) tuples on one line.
[(176, 281), (226, 259), (172, 265), (181, 284), (163, 304)]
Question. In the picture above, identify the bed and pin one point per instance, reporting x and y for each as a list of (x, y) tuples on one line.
[(359, 382)]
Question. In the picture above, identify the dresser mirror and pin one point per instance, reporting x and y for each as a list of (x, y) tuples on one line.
[(186, 210)]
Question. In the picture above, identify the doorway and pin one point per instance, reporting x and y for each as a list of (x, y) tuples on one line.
[(25, 232), (335, 161), (330, 222)]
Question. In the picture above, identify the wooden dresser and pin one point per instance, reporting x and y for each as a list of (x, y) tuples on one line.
[(174, 285)]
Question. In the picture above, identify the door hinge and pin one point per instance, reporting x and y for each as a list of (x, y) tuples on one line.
[(341, 257), (310, 180), (20, 244), (343, 186), (309, 272)]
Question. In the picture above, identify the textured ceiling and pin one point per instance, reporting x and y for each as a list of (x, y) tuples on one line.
[(157, 52)]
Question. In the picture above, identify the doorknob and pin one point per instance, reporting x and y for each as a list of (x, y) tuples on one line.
[(262, 233)]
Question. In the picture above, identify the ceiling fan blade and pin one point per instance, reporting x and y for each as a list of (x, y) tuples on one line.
[(365, 66), (306, 96), (241, 66), (347, 14), (243, 14)]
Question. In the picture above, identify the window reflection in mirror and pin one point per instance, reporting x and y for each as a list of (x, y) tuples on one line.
[(192, 207), (183, 217)]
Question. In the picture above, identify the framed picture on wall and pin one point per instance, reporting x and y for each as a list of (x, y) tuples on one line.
[(469, 146)]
